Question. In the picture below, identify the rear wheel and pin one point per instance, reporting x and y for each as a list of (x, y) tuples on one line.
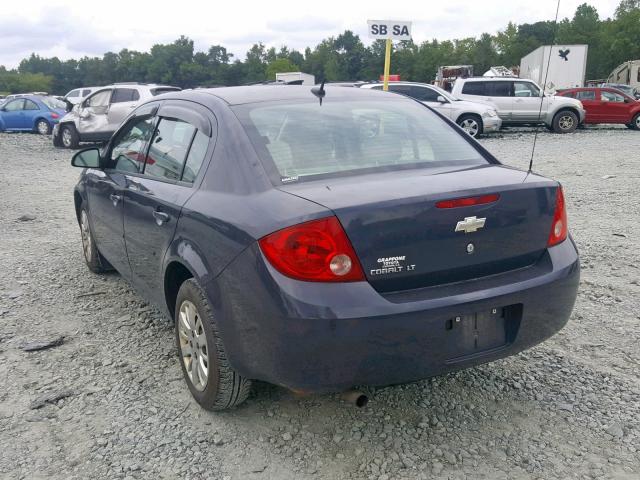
[(69, 136), (211, 380), (565, 121), (472, 124), (43, 127), (635, 123), (95, 261)]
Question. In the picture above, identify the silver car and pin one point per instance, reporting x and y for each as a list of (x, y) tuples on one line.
[(475, 118), (99, 115)]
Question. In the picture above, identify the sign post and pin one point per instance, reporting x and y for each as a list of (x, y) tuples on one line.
[(388, 30)]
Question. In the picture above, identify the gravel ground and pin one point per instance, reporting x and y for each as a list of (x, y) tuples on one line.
[(569, 408)]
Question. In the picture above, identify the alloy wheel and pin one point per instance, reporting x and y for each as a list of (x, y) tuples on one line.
[(193, 345), (638, 122), (565, 122), (85, 233), (66, 137), (42, 127), (470, 126)]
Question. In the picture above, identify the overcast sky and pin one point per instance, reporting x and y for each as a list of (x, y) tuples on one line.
[(72, 28)]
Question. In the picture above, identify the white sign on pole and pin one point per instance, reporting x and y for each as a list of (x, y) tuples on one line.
[(389, 29)]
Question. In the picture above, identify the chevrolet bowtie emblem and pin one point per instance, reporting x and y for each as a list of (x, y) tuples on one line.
[(470, 224)]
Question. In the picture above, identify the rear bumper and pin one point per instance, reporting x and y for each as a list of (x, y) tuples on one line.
[(330, 337)]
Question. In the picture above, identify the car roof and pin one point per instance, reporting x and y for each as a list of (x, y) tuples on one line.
[(493, 79), (267, 93)]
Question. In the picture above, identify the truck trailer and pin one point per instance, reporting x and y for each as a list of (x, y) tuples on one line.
[(567, 66)]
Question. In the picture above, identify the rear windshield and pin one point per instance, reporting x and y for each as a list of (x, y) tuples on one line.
[(54, 103), (305, 141)]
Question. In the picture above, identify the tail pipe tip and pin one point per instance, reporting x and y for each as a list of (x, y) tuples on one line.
[(355, 397)]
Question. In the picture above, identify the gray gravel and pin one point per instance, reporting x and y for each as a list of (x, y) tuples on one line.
[(110, 401)]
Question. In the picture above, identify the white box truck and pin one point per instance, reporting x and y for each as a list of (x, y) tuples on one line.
[(296, 78), (567, 66)]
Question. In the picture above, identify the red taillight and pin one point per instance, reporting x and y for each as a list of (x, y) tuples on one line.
[(468, 201), (559, 227), (54, 115), (315, 251)]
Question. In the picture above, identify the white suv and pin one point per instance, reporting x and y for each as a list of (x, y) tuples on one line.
[(95, 118), (519, 102), (473, 117)]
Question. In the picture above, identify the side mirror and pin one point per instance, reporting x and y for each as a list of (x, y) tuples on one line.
[(88, 158), (441, 99)]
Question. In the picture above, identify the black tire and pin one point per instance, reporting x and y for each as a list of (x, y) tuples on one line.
[(635, 123), (42, 127), (224, 387), (471, 124), (92, 256), (69, 137), (565, 121)]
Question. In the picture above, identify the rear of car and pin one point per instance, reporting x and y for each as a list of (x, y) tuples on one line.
[(418, 253)]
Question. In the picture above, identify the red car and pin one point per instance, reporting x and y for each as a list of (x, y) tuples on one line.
[(607, 105)]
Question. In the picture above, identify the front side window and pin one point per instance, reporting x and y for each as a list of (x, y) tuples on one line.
[(73, 93), (100, 99), (423, 94), (128, 152), (168, 149), (30, 105), (303, 140), (525, 89), (86, 92), (14, 105), (611, 97), (586, 95)]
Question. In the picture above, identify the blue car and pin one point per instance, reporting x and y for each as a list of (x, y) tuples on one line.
[(322, 239), (31, 113)]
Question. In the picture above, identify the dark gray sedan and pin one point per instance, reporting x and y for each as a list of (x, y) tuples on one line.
[(322, 239)]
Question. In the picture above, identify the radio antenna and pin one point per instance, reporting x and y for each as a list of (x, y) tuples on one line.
[(544, 85)]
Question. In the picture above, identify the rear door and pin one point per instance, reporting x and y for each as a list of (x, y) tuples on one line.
[(154, 197), (500, 94), (105, 189), (123, 101)]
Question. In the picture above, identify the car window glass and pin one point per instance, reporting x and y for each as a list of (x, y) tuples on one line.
[(499, 89), (423, 94), (196, 157), (569, 94), (403, 89), (586, 95), (347, 137), (128, 152), (525, 89), (474, 88), (86, 92), (30, 105), (100, 99), (124, 95), (611, 97), (73, 93), (14, 105), (168, 149)]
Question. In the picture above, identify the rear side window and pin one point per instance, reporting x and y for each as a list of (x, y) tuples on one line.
[(586, 95), (168, 149), (498, 89), (86, 92), (423, 94), (568, 94), (30, 105), (125, 95), (474, 88), (196, 157), (73, 93)]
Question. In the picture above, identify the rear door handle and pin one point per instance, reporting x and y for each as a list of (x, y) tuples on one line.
[(160, 217), (115, 199)]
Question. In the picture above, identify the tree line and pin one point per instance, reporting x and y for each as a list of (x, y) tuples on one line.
[(344, 57)]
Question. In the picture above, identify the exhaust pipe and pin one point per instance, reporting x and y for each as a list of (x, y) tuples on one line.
[(355, 397)]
